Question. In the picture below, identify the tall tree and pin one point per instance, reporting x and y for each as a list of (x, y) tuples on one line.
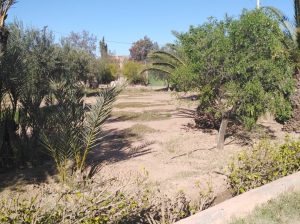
[(4, 7), (7, 125), (82, 41), (292, 31), (141, 48), (240, 68), (103, 48)]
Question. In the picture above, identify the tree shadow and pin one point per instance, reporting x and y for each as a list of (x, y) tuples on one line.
[(185, 113), (117, 146), (192, 97), (33, 175), (235, 130)]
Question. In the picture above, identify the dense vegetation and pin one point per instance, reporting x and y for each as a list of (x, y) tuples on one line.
[(241, 69), (262, 164)]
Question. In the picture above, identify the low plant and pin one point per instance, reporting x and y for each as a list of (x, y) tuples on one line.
[(263, 163), (76, 127), (112, 203)]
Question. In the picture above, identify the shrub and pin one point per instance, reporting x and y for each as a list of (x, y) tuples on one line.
[(131, 71), (96, 204), (264, 163)]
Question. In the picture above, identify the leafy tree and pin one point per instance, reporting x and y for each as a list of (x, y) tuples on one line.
[(103, 71), (292, 31), (4, 7), (240, 67), (132, 71), (82, 41), (164, 63), (140, 49), (103, 48)]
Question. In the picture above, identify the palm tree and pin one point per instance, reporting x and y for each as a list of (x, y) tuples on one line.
[(164, 63), (4, 7)]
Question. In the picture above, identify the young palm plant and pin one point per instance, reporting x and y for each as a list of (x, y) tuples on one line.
[(78, 130)]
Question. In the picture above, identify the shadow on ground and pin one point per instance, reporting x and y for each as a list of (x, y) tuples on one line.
[(236, 131), (117, 146), (34, 175)]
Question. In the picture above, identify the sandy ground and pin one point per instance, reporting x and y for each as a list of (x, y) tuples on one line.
[(175, 156)]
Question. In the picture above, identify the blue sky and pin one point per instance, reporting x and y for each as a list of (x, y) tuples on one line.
[(126, 21)]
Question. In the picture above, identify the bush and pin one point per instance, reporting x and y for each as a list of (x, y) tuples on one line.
[(131, 71), (264, 163), (96, 204)]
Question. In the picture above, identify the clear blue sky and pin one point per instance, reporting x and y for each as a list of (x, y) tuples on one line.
[(126, 21)]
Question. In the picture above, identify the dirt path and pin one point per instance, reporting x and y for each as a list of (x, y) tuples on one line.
[(175, 156)]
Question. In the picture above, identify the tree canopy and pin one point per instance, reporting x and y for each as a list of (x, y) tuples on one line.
[(141, 48), (240, 68)]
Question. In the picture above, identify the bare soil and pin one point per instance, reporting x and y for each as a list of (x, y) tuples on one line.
[(175, 155), (153, 132)]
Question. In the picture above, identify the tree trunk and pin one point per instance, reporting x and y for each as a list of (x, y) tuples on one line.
[(3, 39), (221, 134)]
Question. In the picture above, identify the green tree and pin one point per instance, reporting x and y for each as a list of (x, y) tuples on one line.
[(82, 41), (164, 63), (4, 7), (103, 48), (292, 31), (140, 49), (132, 71), (240, 68)]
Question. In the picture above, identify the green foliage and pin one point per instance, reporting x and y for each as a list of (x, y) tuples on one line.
[(132, 71), (99, 206), (264, 163), (105, 71), (141, 48), (77, 131), (83, 41), (31, 64), (165, 64), (241, 68)]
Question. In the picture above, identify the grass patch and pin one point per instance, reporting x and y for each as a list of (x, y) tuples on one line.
[(150, 115), (138, 131), (284, 209), (134, 105)]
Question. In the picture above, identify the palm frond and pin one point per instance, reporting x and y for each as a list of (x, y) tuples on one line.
[(284, 21), (95, 118), (156, 69), (4, 7), (158, 54)]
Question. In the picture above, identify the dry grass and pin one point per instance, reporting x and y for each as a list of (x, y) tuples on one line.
[(137, 131), (134, 105), (149, 115)]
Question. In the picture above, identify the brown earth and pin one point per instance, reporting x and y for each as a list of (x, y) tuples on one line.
[(175, 155), (152, 132)]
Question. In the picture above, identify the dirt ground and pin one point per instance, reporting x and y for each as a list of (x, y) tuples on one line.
[(174, 155), (152, 132)]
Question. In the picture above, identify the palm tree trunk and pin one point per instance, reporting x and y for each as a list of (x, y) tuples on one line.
[(3, 39)]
